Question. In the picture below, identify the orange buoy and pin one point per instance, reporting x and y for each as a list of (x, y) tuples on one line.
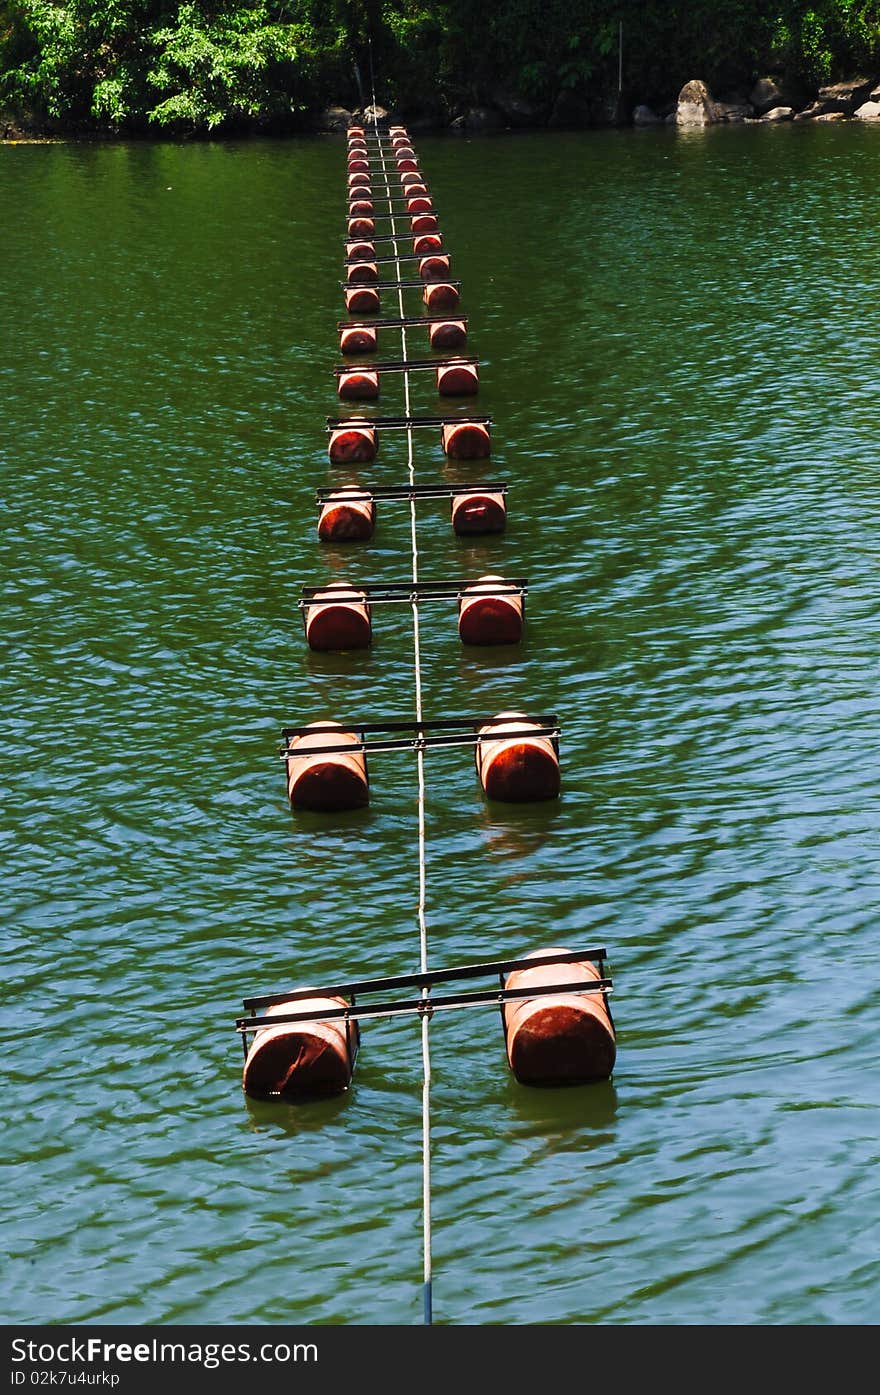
[(302, 1060), (426, 243), (487, 615), (447, 334), (360, 339), (558, 1039), (433, 267), (363, 300), (458, 380), (362, 271), (361, 226), (440, 295), (423, 222), (360, 251), (420, 204), (344, 518), (466, 440), (517, 768), (477, 512), (331, 781), (406, 164), (352, 442), (360, 208), (360, 384), (332, 623)]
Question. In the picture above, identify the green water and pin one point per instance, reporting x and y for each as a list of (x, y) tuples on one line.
[(678, 338)]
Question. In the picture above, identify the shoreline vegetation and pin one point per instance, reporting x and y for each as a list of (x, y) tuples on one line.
[(99, 69)]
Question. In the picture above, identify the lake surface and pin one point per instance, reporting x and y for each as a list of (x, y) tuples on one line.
[(679, 337)]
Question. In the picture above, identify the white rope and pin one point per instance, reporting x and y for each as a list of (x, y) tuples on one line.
[(420, 767)]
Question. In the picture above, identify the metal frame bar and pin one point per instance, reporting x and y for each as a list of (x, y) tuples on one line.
[(406, 491), (405, 592), (405, 365), (402, 321), (334, 423), (429, 977)]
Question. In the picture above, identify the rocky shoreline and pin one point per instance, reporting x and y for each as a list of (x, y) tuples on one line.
[(771, 99)]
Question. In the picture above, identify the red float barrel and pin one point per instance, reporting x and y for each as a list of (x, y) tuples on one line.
[(478, 513), (517, 769), (420, 204), (416, 188), (330, 782), (332, 623), (352, 443), (360, 385), (466, 440), (486, 615), (360, 251), (346, 519), (440, 295), (358, 164), (359, 272), (360, 339), (362, 300), (458, 380), (361, 209), (448, 334), (409, 172), (426, 243), (431, 268), (357, 178), (558, 1039), (423, 222), (356, 131), (361, 226), (302, 1060)]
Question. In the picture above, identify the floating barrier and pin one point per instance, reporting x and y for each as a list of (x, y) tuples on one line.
[(423, 222), (362, 226), (326, 780), (562, 1037), (553, 988), (443, 333), (425, 243), (490, 612), (477, 511), (338, 617), (303, 1060), (462, 438), (517, 761), (456, 377), (347, 515)]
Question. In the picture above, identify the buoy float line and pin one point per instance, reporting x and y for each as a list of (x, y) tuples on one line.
[(554, 1002)]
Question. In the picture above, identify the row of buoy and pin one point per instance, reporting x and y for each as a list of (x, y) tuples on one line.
[(556, 1020)]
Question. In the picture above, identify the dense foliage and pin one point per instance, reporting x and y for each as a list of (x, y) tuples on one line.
[(196, 65)]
